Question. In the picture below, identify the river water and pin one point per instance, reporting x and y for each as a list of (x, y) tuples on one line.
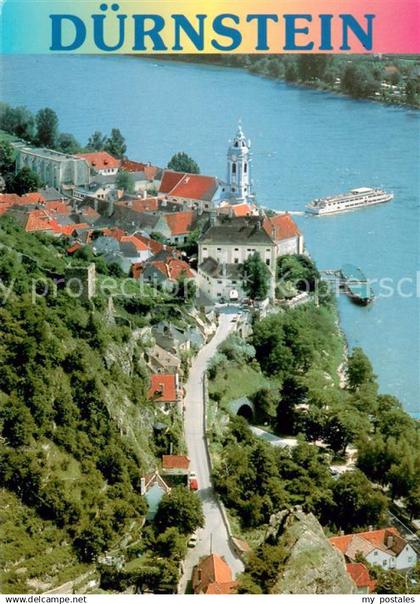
[(305, 144)]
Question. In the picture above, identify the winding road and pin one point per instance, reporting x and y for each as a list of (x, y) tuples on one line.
[(213, 537)]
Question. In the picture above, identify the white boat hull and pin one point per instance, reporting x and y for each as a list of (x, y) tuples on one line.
[(347, 207)]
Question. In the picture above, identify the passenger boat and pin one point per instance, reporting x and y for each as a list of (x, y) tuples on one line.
[(355, 199)]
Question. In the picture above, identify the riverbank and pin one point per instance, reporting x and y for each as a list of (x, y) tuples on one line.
[(389, 80)]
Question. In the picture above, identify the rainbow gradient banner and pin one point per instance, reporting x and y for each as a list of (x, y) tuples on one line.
[(234, 26)]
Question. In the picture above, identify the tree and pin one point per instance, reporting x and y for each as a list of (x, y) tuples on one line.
[(171, 544), (299, 270), (358, 81), (96, 142), (359, 370), (266, 401), (181, 162), (7, 157), (411, 92), (256, 277), (363, 505), (18, 425), (340, 429), (67, 143), (312, 67), (115, 144), (182, 509), (47, 128), (125, 181), (18, 121), (24, 181)]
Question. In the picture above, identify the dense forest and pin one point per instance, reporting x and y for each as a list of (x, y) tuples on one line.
[(76, 426)]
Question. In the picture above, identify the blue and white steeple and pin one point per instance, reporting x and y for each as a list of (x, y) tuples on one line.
[(239, 168)]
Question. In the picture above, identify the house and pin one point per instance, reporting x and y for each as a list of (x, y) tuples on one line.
[(213, 575), (134, 249), (55, 169), (101, 162), (180, 225), (230, 241), (383, 547), (196, 190), (221, 282), (153, 488), (171, 338), (361, 577), (175, 465), (162, 361), (285, 233), (237, 209), (166, 272), (165, 390)]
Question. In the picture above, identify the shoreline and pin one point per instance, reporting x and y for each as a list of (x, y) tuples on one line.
[(319, 85)]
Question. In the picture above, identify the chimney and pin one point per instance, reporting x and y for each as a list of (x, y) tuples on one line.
[(370, 528), (144, 194), (389, 541), (199, 574), (142, 486)]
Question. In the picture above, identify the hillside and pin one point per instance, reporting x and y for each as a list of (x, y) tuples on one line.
[(76, 426), (302, 559)]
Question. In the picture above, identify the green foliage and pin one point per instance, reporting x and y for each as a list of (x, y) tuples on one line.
[(67, 143), (18, 121), (115, 144), (256, 277), (298, 270), (181, 162), (363, 505), (96, 142), (46, 128), (181, 509), (63, 408), (24, 181), (358, 81), (125, 181), (359, 369), (7, 158)]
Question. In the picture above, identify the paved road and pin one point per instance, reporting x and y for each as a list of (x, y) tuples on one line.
[(214, 534)]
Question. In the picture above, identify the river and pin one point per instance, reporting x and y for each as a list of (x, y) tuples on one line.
[(305, 144)]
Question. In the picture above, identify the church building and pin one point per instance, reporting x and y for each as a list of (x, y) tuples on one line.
[(232, 237)]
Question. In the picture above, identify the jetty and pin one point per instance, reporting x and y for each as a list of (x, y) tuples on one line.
[(352, 280)]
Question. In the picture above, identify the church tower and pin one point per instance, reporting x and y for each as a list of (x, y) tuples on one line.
[(238, 168)]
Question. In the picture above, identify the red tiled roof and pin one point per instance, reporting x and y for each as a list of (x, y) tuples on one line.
[(91, 212), (212, 575), (369, 540), (116, 233), (195, 186), (73, 248), (180, 223), (39, 220), (173, 268), (169, 180), (154, 246), (34, 197), (178, 462), (281, 226), (132, 166), (163, 388), (360, 575), (100, 160), (138, 244), (149, 204), (60, 207)]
